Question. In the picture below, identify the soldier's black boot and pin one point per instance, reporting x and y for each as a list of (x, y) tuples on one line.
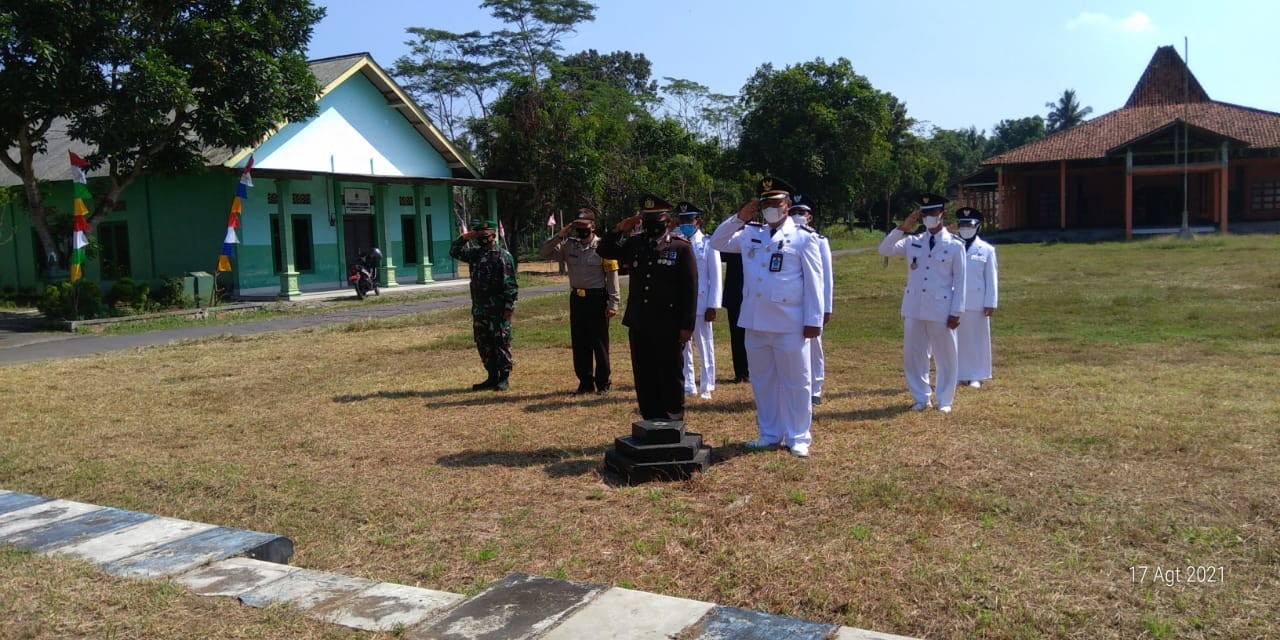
[(502, 383), (490, 383)]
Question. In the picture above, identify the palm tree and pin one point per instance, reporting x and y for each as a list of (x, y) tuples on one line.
[(1066, 112)]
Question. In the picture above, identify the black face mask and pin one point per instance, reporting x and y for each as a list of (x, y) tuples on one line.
[(654, 227), (485, 241), (583, 233)]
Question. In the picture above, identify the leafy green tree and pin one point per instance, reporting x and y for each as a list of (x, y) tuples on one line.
[(1066, 112), (961, 149), (816, 125), (150, 86), (1010, 134), (457, 75)]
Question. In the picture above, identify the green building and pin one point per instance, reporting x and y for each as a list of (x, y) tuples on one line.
[(369, 169)]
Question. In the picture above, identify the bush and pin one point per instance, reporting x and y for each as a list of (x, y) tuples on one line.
[(171, 296), (126, 292), (67, 301)]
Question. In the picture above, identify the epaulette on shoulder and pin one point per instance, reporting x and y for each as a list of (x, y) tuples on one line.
[(808, 228), (755, 223)]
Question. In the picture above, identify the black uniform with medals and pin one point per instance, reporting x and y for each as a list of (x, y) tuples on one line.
[(661, 302)]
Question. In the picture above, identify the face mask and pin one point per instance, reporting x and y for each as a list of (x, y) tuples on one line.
[(655, 228), (968, 232), (687, 230), (583, 233), (931, 222), (774, 215), (484, 241)]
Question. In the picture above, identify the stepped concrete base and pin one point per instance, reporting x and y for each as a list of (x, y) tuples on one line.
[(210, 560)]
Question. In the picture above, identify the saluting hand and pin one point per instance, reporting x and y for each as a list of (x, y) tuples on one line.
[(628, 224), (749, 210), (911, 222)]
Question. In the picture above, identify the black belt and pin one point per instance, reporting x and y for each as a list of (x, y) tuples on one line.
[(582, 293)]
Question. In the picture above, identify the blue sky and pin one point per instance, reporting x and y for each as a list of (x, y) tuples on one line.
[(955, 64)]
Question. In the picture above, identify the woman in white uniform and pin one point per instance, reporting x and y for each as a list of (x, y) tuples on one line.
[(981, 276)]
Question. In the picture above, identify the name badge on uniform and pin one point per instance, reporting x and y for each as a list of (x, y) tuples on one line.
[(913, 264), (775, 262)]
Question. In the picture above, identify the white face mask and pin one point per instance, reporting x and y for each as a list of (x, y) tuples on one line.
[(774, 215), (968, 232), (931, 222)]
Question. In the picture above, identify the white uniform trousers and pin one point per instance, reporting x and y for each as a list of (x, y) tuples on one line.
[(817, 365), (706, 353), (923, 339), (779, 365), (973, 340)]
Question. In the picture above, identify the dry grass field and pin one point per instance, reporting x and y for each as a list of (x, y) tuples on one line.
[(1118, 479)]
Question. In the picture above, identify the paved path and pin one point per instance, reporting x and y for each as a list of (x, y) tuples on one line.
[(252, 566)]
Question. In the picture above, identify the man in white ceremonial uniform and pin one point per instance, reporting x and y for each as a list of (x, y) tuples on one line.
[(932, 301), (781, 311), (981, 290), (709, 295), (802, 214)]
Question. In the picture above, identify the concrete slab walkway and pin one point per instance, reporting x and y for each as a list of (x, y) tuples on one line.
[(252, 567)]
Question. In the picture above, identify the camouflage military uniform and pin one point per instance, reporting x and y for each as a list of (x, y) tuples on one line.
[(493, 293)]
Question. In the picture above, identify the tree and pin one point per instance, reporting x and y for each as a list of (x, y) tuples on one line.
[(1066, 112), (961, 149), (151, 86), (816, 125), (1010, 134), (459, 74)]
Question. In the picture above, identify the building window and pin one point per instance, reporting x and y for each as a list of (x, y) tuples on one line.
[(113, 239), (302, 246), (300, 198), (426, 201), (1265, 195), (273, 198), (409, 234), (406, 201)]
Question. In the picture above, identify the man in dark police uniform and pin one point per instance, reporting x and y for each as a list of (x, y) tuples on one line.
[(661, 304)]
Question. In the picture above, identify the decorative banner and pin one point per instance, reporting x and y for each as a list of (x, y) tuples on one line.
[(502, 234), (79, 226), (230, 241), (462, 226), (551, 219)]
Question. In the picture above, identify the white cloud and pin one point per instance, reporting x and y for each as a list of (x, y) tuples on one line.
[(1137, 22)]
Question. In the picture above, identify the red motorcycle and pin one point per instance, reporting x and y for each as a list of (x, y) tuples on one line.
[(363, 273)]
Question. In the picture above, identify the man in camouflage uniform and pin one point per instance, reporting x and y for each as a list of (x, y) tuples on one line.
[(493, 300)]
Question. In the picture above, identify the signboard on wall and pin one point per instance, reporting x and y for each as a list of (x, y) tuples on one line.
[(355, 200)]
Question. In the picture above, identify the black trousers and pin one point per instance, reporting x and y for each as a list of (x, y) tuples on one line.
[(738, 342), (657, 365), (589, 332)]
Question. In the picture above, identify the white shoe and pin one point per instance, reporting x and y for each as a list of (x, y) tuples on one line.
[(945, 409), (761, 444), (706, 395), (800, 450), (920, 406), (976, 384)]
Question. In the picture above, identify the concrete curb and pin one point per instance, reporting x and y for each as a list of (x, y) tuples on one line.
[(252, 567)]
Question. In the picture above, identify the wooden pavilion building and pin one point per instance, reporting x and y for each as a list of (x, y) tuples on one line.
[(1136, 168)]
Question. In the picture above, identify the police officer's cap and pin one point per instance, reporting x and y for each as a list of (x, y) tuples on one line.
[(652, 205), (771, 188), (968, 217), (482, 225), (688, 211), (799, 205), (929, 201), (584, 216)]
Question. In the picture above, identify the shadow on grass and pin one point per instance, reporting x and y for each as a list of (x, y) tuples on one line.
[(556, 462), (880, 413), (468, 397)]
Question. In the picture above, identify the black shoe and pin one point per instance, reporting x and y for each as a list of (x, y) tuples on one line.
[(604, 391), (502, 384), (584, 388), (487, 384)]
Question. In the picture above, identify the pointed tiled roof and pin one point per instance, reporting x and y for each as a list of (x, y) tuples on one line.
[(1167, 93), (1167, 80)]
